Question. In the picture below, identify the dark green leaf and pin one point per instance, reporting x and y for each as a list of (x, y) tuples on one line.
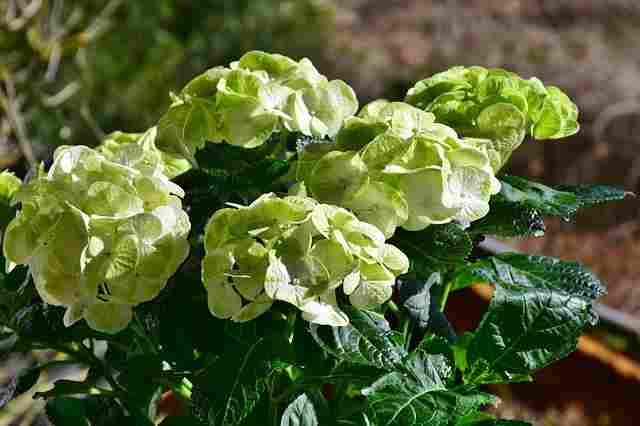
[(539, 197), (367, 340), (437, 248), (589, 195), (300, 413), (524, 329), (65, 411), (419, 397), (535, 272), (508, 219), (483, 419), (236, 382), (563, 201)]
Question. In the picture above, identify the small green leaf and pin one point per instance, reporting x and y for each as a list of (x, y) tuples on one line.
[(300, 413)]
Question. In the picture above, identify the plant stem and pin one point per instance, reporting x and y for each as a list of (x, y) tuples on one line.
[(444, 296)]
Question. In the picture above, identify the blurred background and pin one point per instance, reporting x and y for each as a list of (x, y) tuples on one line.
[(74, 70)]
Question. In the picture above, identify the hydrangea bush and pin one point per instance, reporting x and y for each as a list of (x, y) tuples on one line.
[(268, 253)]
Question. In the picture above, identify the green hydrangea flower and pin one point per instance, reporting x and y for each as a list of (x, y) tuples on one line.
[(254, 97), (396, 167), (9, 185), (139, 150), (296, 250), (100, 235), (497, 105)]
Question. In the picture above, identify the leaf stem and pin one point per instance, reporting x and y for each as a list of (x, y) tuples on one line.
[(445, 295)]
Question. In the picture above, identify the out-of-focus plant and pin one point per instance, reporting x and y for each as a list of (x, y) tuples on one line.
[(61, 61)]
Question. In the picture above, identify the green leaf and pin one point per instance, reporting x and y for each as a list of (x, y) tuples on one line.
[(514, 270), (66, 411), (483, 419), (437, 248), (236, 382), (420, 396), (540, 197), (508, 220), (367, 340), (524, 330), (300, 413), (589, 195)]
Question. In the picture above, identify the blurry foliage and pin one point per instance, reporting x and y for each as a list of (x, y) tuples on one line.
[(72, 71)]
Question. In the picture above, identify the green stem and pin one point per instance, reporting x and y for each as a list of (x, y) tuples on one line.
[(445, 295)]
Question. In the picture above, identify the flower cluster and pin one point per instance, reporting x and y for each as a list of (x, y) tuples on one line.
[(497, 105), (296, 250), (139, 151), (99, 236), (254, 97), (394, 166)]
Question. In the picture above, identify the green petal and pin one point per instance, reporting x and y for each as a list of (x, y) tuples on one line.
[(122, 258), (107, 199), (223, 301), (337, 177), (394, 259), (324, 311), (331, 103), (380, 205), (108, 317), (424, 194)]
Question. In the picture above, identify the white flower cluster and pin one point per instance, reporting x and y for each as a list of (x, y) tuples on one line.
[(299, 251), (100, 236)]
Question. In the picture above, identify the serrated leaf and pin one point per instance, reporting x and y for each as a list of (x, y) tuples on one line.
[(589, 195), (420, 397), (538, 196), (563, 201), (437, 248), (524, 329), (514, 270), (367, 340), (300, 413), (508, 220)]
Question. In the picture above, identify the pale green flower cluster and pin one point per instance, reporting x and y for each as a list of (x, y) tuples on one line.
[(497, 105), (99, 236), (9, 185), (394, 166), (139, 150), (254, 97), (299, 251)]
